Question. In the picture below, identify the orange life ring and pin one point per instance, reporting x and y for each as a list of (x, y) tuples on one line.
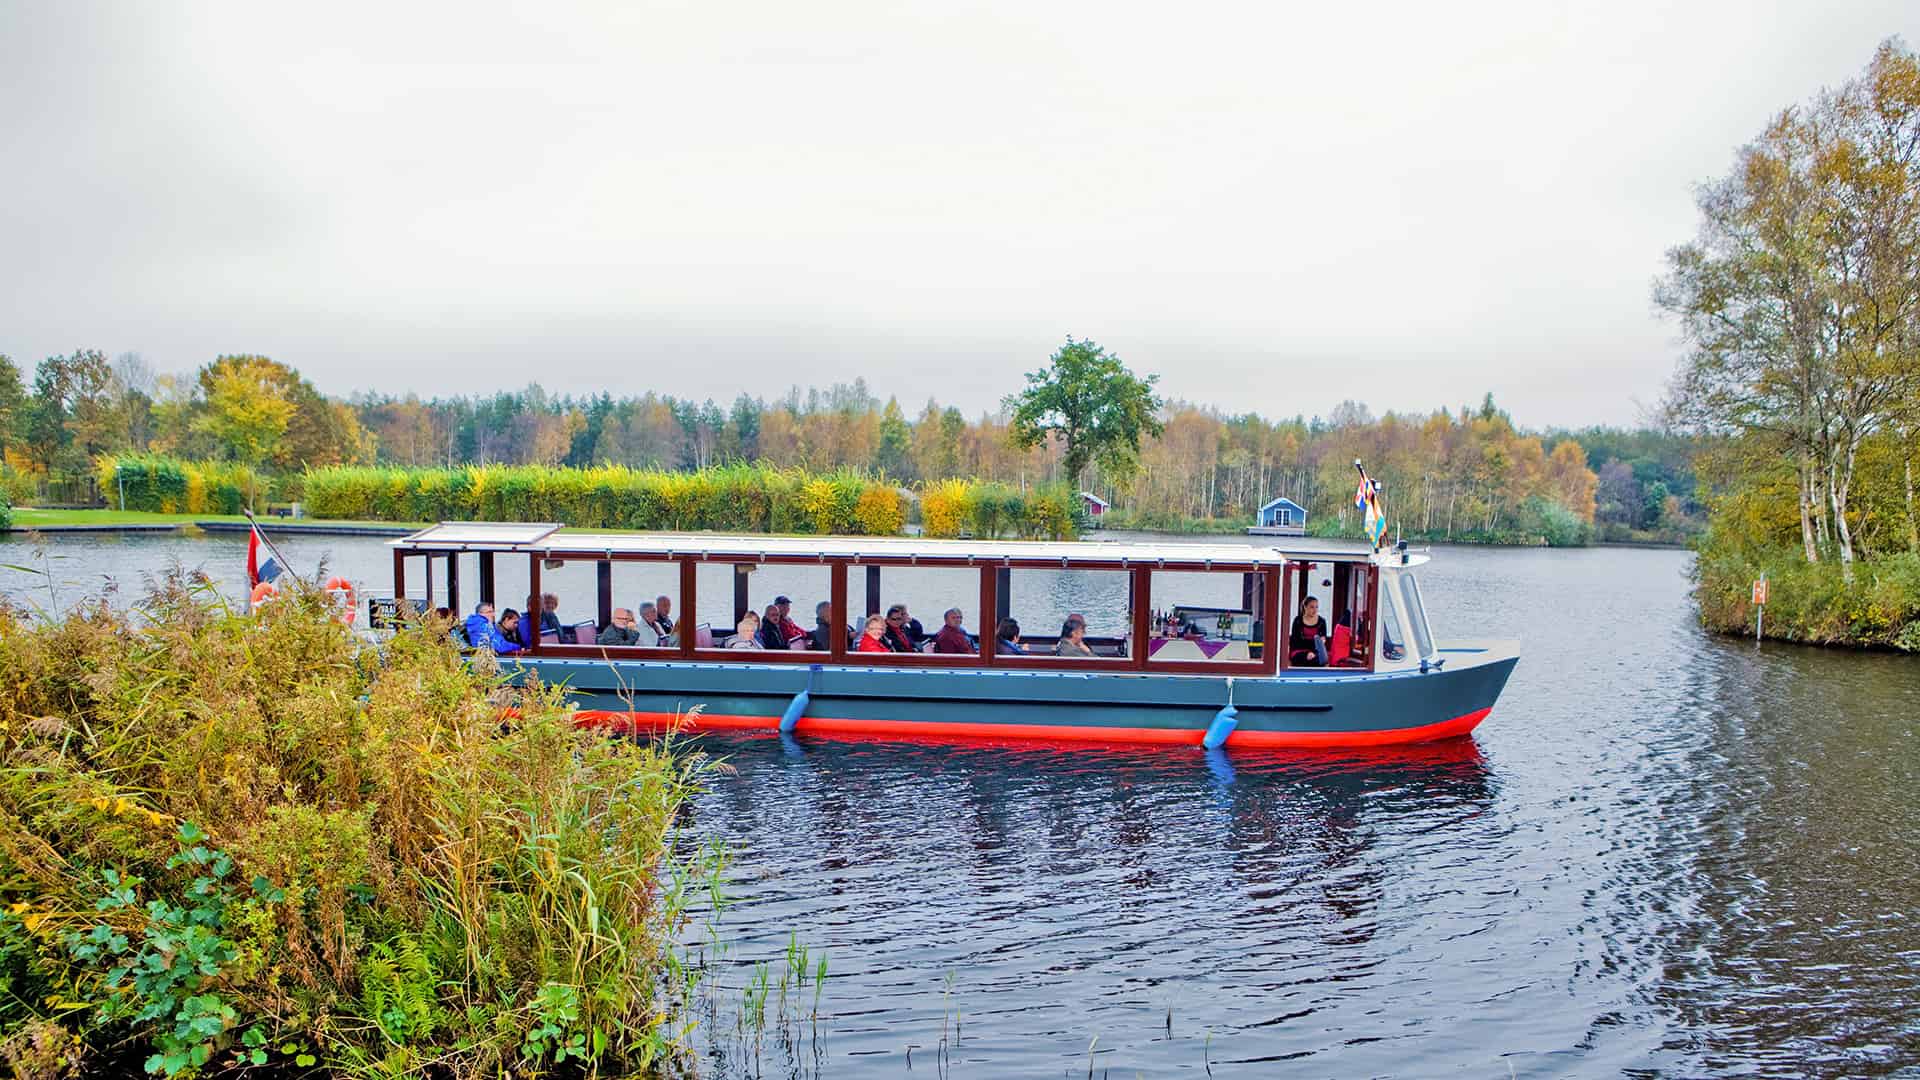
[(264, 593), (341, 591)]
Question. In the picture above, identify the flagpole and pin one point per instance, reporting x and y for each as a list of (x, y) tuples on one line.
[(1379, 500)]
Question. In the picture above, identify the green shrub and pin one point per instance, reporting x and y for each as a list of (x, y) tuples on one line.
[(165, 485), (244, 841), (730, 498), (1811, 602), (6, 510), (985, 509), (18, 486), (1554, 523)]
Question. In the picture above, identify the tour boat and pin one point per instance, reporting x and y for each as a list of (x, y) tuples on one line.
[(1190, 643)]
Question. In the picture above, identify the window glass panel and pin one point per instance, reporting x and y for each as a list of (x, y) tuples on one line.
[(1042, 601), (570, 595), (1393, 635), (640, 589), (1206, 617), (803, 586), (1416, 613), (927, 594)]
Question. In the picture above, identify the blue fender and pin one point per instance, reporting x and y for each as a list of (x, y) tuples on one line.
[(798, 706), (1222, 726), (1223, 723)]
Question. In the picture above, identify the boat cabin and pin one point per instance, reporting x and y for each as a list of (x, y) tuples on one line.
[(1213, 609)]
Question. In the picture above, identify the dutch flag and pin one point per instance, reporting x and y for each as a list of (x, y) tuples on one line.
[(258, 571)]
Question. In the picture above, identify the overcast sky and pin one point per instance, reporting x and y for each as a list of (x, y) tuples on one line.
[(1271, 206)]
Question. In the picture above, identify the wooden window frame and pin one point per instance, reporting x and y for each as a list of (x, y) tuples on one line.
[(1266, 665)]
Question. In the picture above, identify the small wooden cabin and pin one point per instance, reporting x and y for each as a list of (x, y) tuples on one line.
[(1280, 517)]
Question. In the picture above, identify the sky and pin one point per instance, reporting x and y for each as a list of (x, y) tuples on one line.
[(1273, 207)]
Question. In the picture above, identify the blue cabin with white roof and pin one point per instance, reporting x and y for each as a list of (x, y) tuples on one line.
[(1282, 512)]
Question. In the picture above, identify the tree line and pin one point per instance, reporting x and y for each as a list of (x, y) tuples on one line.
[(1800, 302), (1466, 473)]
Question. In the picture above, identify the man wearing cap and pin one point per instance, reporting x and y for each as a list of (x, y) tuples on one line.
[(773, 625), (787, 625)]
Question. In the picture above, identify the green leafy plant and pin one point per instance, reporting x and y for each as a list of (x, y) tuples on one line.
[(168, 970)]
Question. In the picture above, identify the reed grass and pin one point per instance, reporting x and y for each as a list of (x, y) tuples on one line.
[(253, 843), (731, 498), (165, 485), (988, 510)]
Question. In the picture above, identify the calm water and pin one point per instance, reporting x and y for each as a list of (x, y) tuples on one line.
[(1664, 854)]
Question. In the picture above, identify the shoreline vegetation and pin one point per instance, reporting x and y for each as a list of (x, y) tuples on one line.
[(247, 844), (247, 430), (1801, 308)]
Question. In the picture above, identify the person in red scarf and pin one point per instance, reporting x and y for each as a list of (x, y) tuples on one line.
[(901, 632)]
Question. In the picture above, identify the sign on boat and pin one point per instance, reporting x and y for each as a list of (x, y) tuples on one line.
[(1177, 671)]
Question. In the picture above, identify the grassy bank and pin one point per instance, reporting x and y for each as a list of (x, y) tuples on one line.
[(1812, 603), (29, 518), (229, 843)]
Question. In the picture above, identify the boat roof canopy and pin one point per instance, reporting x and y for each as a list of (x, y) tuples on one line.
[(479, 535), (548, 540)]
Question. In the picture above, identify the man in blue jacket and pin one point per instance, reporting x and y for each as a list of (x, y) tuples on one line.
[(483, 634)]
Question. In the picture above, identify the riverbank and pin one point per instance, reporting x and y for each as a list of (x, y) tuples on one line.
[(26, 519), (1812, 603), (1321, 530)]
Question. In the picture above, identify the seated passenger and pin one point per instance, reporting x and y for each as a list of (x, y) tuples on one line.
[(796, 637), (902, 631), (621, 632), (953, 637), (1307, 642), (821, 639), (747, 634), (647, 625), (663, 608), (1006, 639), (1073, 640), (483, 634), (549, 614), (507, 638), (773, 630), (874, 637)]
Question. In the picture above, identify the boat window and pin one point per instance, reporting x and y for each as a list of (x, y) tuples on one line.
[(572, 610), (1041, 603), (926, 594), (569, 599), (1393, 634), (639, 590), (1416, 615), (728, 592), (1210, 617)]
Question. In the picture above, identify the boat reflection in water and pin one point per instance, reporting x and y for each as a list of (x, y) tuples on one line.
[(1070, 889)]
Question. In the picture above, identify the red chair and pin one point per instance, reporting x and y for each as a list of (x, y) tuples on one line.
[(1340, 645)]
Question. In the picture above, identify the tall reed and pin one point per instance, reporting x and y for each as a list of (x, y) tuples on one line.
[(245, 841), (731, 498)]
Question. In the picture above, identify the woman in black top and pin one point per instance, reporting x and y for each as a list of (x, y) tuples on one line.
[(1307, 642)]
